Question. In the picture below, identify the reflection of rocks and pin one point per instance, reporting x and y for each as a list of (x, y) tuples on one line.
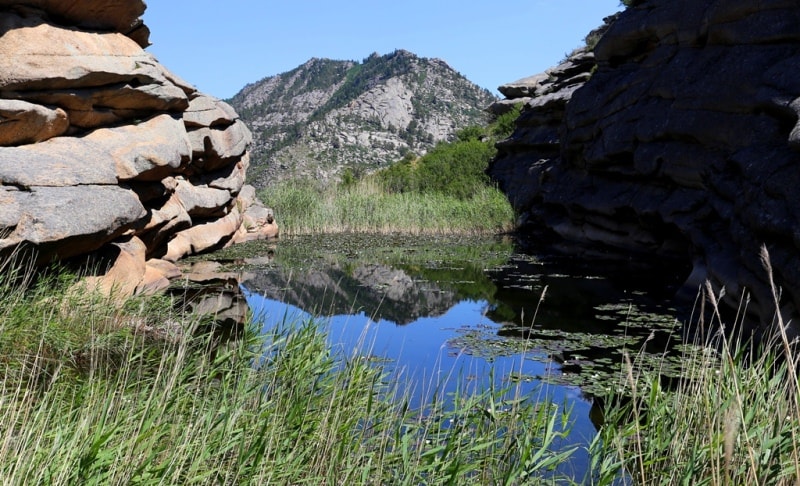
[(379, 291), (213, 297), (210, 274), (394, 284), (583, 316), (224, 307)]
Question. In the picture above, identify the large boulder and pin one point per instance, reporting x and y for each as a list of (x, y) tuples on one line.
[(105, 152), (678, 142), (102, 15), (62, 222)]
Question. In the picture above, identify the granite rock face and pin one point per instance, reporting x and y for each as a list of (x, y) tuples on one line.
[(326, 118), (678, 140), (103, 150)]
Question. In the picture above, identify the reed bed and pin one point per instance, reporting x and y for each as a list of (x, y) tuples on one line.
[(732, 419), (303, 208), (94, 392)]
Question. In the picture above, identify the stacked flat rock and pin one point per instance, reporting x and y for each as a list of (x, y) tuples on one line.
[(102, 149)]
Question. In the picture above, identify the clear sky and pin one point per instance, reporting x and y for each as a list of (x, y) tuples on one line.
[(222, 45)]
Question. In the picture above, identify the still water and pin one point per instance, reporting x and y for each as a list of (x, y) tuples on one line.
[(443, 313)]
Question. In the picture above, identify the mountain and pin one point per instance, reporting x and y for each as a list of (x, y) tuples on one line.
[(326, 115)]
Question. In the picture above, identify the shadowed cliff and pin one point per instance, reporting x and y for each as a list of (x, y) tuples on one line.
[(674, 138)]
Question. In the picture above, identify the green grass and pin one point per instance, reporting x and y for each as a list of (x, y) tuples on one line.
[(94, 391), (734, 417), (446, 191), (98, 393), (303, 208)]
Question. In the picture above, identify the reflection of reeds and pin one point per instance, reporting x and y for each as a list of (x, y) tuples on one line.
[(115, 405), (733, 418), (303, 208)]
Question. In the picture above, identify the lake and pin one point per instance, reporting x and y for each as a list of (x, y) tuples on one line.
[(471, 312)]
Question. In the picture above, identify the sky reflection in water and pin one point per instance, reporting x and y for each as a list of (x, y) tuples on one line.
[(422, 354)]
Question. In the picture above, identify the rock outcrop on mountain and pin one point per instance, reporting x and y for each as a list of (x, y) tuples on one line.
[(682, 145), (326, 116), (103, 151)]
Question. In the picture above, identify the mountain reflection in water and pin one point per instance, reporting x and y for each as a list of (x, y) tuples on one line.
[(447, 311)]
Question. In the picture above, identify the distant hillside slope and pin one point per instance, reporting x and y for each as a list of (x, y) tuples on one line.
[(325, 116)]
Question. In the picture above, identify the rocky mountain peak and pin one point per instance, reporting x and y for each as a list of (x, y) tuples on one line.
[(327, 115)]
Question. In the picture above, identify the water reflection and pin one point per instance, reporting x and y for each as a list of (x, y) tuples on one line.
[(424, 355), (566, 315), (378, 290), (446, 312)]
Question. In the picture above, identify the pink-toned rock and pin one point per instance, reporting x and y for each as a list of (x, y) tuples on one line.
[(207, 111), (36, 55), (125, 273), (230, 178), (119, 16), (213, 149), (168, 269), (109, 105), (258, 223), (152, 282), (204, 236), (10, 210), (247, 196), (106, 153), (148, 151), (62, 222), (157, 276), (154, 148), (202, 201), (165, 222), (23, 122)]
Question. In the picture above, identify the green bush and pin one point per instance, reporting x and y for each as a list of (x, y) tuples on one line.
[(446, 190), (457, 169), (504, 125)]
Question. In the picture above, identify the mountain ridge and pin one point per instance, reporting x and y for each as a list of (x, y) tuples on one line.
[(327, 116)]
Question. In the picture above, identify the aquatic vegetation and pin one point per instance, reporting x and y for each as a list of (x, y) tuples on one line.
[(730, 417), (591, 361)]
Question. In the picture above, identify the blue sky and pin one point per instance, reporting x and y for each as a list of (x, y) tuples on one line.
[(222, 45)]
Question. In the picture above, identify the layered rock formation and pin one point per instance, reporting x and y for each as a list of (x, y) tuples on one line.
[(104, 151), (682, 144)]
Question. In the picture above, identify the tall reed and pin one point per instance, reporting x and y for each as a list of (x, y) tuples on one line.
[(732, 419), (303, 208)]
